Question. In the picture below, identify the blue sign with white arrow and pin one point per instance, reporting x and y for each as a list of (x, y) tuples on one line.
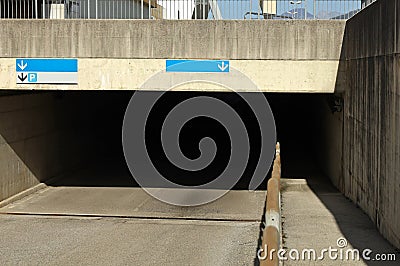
[(207, 66), (46, 71)]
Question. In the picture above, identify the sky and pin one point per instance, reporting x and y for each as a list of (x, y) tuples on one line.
[(237, 8)]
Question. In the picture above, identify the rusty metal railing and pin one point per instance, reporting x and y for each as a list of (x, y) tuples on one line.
[(271, 240)]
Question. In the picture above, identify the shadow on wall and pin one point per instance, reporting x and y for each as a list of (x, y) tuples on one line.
[(357, 228), (46, 134), (361, 150)]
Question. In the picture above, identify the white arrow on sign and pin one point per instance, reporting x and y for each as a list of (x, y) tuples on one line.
[(223, 67), (22, 65)]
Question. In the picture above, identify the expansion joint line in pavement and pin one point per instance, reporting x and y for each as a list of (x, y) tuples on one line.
[(129, 217)]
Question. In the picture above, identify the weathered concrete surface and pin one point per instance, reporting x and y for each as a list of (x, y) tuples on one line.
[(371, 163), (46, 134), (135, 202), (223, 232), (23, 194), (150, 39), (367, 167), (104, 190), (30, 240), (329, 139), (30, 146), (314, 76), (278, 56), (316, 215)]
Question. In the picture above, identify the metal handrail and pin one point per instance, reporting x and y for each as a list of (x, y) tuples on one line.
[(180, 9)]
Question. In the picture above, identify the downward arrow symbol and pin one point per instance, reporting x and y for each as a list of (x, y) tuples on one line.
[(22, 77), (21, 65), (223, 67)]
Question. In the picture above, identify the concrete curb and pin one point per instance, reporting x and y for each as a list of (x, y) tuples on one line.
[(294, 185), (35, 188), (271, 240), (23, 194)]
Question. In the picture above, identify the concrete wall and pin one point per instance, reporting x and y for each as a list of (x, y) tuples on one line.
[(278, 56), (43, 135), (131, 74), (152, 39), (328, 142), (370, 168)]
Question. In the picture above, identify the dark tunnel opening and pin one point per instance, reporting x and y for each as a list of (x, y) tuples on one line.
[(94, 120), (299, 122)]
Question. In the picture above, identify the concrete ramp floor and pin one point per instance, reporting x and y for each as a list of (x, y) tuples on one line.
[(50, 240), (316, 215), (135, 203), (71, 225)]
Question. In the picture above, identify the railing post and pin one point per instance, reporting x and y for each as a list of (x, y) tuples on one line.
[(43, 9), (215, 9), (250, 10), (142, 9), (315, 9)]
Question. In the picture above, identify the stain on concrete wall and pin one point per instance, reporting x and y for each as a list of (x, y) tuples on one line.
[(371, 162)]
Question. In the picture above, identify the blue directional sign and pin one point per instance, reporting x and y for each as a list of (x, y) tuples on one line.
[(46, 71), (219, 66)]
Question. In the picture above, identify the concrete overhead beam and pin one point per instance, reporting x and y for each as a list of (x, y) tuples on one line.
[(308, 76), (152, 39)]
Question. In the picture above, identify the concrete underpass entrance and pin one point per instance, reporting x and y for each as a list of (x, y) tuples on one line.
[(93, 192), (68, 195), (94, 195), (83, 130)]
